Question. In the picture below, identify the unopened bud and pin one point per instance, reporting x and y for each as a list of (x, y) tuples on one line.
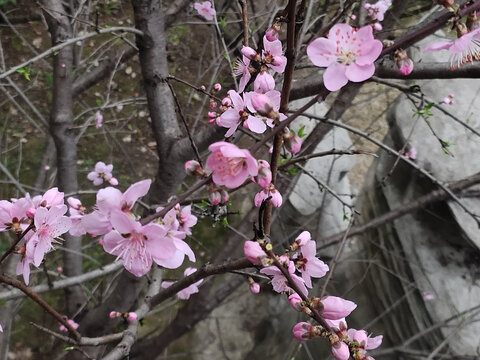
[(131, 316), (248, 52), (403, 63), (192, 167)]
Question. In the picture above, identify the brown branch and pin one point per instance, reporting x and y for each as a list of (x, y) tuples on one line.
[(203, 272), (324, 153), (19, 238), (244, 22), (421, 202), (34, 296)]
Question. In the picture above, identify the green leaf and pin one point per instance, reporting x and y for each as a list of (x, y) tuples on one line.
[(301, 132), (130, 127), (224, 222), (223, 22), (69, 348), (203, 204), (98, 101), (25, 71)]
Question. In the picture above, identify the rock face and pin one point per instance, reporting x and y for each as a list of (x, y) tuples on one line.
[(435, 252)]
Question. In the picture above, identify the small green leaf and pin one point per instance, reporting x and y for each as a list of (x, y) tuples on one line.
[(203, 204), (69, 348), (130, 127), (223, 22), (98, 101), (345, 217), (301, 132), (224, 222)]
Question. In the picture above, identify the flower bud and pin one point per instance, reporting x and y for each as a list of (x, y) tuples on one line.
[(254, 252), (261, 103), (334, 307), (214, 197), (193, 167), (403, 63), (227, 101), (295, 301), (264, 177), (292, 142), (255, 288), (248, 52), (217, 87), (113, 181), (272, 33), (131, 316), (340, 351), (377, 26), (276, 199), (225, 196), (361, 337), (114, 314), (31, 212), (303, 331)]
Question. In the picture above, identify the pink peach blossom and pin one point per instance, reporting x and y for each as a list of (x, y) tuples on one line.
[(272, 54), (242, 68), (348, 55), (231, 166), (309, 265), (137, 245), (464, 49), (364, 340), (205, 9), (185, 294), (49, 224), (279, 281), (102, 172)]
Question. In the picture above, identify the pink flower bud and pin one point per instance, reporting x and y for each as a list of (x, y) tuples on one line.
[(31, 212), (403, 63), (276, 199), (47, 167), (224, 195), (113, 181), (203, 88), (292, 142), (217, 87), (303, 331), (353, 17), (59, 269), (212, 114), (254, 252), (213, 105), (227, 101), (361, 337), (261, 104), (264, 82), (215, 197), (340, 351), (377, 26), (255, 288), (295, 301), (132, 316), (264, 177), (193, 167), (248, 52), (100, 241), (114, 314), (335, 308)]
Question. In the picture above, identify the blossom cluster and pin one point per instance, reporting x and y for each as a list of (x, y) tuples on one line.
[(301, 257), (42, 219)]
